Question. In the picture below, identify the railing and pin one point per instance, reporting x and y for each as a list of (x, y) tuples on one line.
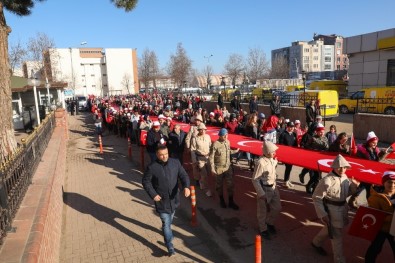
[(17, 172), (376, 105)]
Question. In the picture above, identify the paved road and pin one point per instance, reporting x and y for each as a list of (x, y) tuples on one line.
[(109, 218)]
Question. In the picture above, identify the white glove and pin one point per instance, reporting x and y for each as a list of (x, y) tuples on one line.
[(162, 141)]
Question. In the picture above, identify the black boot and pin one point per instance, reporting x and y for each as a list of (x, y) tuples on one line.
[(232, 203), (251, 164), (222, 201)]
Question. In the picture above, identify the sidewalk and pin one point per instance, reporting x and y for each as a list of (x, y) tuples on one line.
[(108, 217)]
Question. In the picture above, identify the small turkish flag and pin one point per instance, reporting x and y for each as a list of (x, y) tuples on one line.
[(353, 146), (367, 223), (143, 137)]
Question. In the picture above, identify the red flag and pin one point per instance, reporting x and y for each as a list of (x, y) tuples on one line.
[(367, 223), (391, 154), (353, 147), (143, 137)]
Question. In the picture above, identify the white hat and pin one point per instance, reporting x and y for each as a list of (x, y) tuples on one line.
[(128, 114), (319, 127), (212, 114), (319, 117), (156, 123), (297, 121), (169, 118), (371, 137), (286, 120), (161, 116), (340, 162), (269, 147)]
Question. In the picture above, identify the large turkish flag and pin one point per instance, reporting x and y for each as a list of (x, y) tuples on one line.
[(367, 222)]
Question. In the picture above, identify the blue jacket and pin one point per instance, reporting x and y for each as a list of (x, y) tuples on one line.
[(162, 179)]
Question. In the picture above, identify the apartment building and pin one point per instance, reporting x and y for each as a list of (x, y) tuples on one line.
[(97, 71), (321, 57)]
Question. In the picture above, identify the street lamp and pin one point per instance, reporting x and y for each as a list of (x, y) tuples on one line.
[(35, 82), (304, 87), (223, 84), (208, 71)]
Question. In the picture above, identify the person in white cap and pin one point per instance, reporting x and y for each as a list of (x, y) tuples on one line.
[(264, 181), (383, 198), (370, 151), (200, 150), (330, 204), (155, 137)]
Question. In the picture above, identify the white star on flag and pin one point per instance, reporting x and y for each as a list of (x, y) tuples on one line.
[(368, 171)]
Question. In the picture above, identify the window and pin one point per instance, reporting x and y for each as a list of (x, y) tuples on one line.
[(93, 86), (339, 45), (315, 58), (316, 50), (327, 66), (92, 75), (91, 65), (338, 67), (315, 66), (83, 75), (391, 72), (338, 60), (306, 50), (328, 59), (104, 75), (103, 64)]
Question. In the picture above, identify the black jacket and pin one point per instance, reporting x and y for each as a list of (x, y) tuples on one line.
[(162, 179), (153, 139), (177, 142)]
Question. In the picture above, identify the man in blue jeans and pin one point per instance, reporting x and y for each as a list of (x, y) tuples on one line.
[(160, 181)]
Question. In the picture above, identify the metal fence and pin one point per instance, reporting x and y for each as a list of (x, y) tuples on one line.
[(17, 172), (376, 105)]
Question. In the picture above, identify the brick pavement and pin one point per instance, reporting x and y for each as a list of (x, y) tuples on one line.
[(107, 215)]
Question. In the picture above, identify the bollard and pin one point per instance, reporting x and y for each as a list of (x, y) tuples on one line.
[(193, 204), (258, 249), (100, 144), (142, 158), (129, 148)]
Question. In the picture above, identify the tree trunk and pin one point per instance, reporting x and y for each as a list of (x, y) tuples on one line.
[(7, 137)]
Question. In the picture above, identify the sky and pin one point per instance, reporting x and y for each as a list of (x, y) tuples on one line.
[(204, 27)]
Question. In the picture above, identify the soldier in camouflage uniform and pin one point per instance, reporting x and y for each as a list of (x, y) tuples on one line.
[(221, 168), (200, 149)]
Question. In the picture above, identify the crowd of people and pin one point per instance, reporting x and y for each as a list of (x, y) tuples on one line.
[(128, 116)]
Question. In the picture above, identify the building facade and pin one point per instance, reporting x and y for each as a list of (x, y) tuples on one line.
[(321, 58), (97, 71), (372, 59)]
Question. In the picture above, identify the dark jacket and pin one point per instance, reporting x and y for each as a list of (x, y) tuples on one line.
[(235, 105), (275, 107), (288, 139), (253, 106), (220, 101), (311, 113), (153, 139), (177, 142), (162, 179)]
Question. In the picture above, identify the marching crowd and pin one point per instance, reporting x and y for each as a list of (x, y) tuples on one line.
[(128, 116)]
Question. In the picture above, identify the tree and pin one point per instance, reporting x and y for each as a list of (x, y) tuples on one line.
[(180, 65), (234, 68), (21, 8), (40, 49), (257, 65), (280, 69), (148, 68), (126, 81), (208, 72), (17, 55)]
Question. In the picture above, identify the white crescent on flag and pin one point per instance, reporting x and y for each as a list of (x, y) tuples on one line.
[(365, 226)]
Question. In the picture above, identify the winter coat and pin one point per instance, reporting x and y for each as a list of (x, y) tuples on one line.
[(162, 179), (380, 201)]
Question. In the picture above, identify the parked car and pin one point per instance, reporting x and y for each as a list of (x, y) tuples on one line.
[(82, 102)]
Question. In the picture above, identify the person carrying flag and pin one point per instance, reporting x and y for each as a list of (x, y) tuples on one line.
[(329, 200), (382, 198)]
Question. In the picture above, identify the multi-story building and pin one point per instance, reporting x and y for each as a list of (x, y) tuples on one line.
[(372, 59), (96, 71), (321, 58)]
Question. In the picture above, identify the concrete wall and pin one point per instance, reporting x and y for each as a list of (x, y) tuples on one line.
[(380, 124)]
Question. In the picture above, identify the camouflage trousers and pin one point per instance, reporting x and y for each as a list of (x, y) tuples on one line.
[(226, 176), (201, 170)]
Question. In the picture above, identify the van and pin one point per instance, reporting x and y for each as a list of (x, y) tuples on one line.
[(328, 101), (81, 102), (294, 88), (339, 85), (374, 100)]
